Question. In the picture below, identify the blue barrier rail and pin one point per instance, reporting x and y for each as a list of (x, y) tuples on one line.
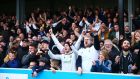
[(46, 74)]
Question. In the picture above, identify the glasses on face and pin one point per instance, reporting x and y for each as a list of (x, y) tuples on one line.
[(108, 44)]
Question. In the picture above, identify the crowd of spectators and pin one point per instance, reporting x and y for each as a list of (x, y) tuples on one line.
[(83, 40)]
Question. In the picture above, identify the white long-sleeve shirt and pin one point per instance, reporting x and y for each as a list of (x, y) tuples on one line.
[(96, 26), (27, 28), (68, 60), (61, 47), (57, 43), (88, 55)]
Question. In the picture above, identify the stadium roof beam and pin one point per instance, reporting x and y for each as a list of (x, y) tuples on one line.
[(130, 13), (121, 17), (20, 11)]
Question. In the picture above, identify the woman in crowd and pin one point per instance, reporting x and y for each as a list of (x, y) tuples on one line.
[(135, 43), (103, 32)]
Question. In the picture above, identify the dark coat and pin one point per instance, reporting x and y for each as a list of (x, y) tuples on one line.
[(26, 59), (125, 62), (21, 51)]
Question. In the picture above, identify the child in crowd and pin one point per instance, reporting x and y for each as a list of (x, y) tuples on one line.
[(103, 64), (36, 69), (10, 61), (54, 65), (32, 64)]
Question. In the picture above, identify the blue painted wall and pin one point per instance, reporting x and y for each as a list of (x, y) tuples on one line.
[(69, 75)]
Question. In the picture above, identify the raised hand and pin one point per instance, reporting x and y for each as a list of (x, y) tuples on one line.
[(84, 19), (51, 31), (83, 33), (117, 59)]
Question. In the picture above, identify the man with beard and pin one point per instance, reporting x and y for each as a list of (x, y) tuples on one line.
[(126, 58), (89, 53)]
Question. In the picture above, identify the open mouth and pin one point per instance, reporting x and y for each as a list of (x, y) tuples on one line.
[(66, 49), (126, 47)]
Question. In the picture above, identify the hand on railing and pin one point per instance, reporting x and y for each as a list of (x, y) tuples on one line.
[(53, 70), (34, 74), (80, 71)]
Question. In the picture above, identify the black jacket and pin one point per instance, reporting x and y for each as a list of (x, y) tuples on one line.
[(125, 62)]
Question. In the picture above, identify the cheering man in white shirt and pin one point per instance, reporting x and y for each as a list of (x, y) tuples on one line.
[(89, 53)]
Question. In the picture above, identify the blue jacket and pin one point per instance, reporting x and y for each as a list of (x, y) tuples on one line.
[(12, 64), (104, 67)]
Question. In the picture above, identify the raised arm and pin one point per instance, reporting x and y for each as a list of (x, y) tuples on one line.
[(27, 27), (58, 57), (78, 42), (96, 39), (74, 50), (96, 42), (57, 43), (86, 21), (55, 24)]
